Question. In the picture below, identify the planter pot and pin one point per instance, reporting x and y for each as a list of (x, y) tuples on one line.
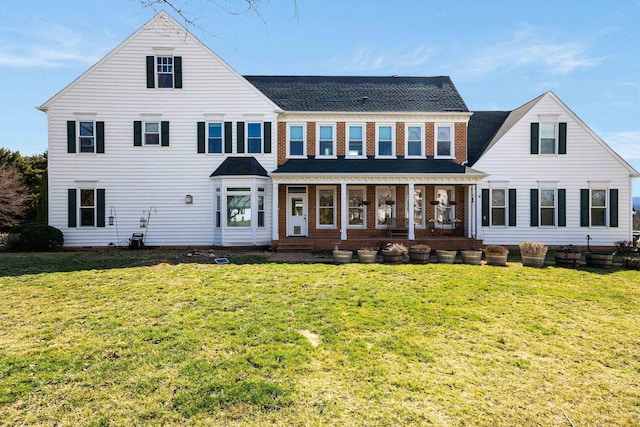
[(496, 259), (367, 257), (471, 257), (392, 257), (599, 260), (446, 257), (419, 257), (342, 257), (533, 261), (568, 259)]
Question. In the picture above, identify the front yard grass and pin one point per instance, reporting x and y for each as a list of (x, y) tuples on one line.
[(137, 341)]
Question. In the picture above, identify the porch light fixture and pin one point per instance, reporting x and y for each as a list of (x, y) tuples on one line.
[(189, 199)]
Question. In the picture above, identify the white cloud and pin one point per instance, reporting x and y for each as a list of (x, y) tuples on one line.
[(627, 144), (47, 45), (369, 59)]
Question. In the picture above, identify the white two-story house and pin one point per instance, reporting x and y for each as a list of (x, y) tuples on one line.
[(162, 137)]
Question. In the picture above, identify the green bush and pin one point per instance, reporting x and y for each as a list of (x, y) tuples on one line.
[(34, 237)]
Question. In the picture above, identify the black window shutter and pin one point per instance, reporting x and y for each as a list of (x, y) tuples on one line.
[(201, 137), (164, 134), (71, 136), (99, 137), (137, 133), (562, 207), (100, 205), (512, 207), (535, 132), (613, 207), (240, 136), (228, 141), (267, 137), (562, 138), (534, 207), (151, 74), (584, 207), (71, 208), (177, 72), (485, 207)]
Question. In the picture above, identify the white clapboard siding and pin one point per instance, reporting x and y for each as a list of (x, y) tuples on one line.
[(587, 159), (138, 178)]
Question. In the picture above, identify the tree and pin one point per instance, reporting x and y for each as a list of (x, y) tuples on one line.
[(14, 196)]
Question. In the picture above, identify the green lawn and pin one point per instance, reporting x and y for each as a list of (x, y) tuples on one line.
[(107, 339)]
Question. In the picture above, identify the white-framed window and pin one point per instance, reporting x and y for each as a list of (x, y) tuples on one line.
[(385, 141), (598, 208), (326, 140), (419, 193), (254, 138), (548, 138), (357, 209), (260, 207), (548, 207), (445, 213), (444, 141), (87, 207), (385, 205), (414, 144), (86, 137), (151, 133), (498, 207), (296, 140), (239, 212), (164, 71), (326, 203), (215, 137), (356, 142)]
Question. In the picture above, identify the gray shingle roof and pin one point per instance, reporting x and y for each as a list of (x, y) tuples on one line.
[(483, 125), (240, 166), (361, 94), (342, 165)]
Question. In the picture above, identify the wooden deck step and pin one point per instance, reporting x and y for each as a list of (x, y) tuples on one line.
[(295, 246)]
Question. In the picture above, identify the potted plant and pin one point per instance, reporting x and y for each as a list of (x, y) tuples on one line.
[(533, 253), (367, 255), (446, 257), (568, 256), (599, 259), (472, 257), (496, 255), (419, 254), (393, 253), (341, 256)]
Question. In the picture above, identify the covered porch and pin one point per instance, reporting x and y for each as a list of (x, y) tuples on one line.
[(315, 213)]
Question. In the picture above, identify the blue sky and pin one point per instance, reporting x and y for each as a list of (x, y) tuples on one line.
[(500, 54)]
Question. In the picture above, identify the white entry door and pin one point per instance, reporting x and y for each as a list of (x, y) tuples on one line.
[(296, 215)]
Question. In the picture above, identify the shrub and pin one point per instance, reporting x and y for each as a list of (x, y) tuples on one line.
[(496, 250), (34, 237), (421, 248), (528, 248), (569, 249)]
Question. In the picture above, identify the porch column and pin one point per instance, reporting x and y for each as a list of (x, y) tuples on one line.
[(344, 211), (275, 219), (411, 225)]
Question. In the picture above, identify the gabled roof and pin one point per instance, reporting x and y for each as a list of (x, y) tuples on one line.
[(361, 94), (240, 166), (341, 165), (481, 132)]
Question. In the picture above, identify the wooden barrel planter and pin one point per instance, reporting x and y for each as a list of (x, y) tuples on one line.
[(533, 261), (471, 257), (446, 257), (392, 257), (419, 256), (568, 259), (342, 257), (599, 260), (367, 257)]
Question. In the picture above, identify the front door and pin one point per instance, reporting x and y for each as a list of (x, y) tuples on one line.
[(296, 215)]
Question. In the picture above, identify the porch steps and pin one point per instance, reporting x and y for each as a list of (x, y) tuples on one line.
[(295, 246)]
